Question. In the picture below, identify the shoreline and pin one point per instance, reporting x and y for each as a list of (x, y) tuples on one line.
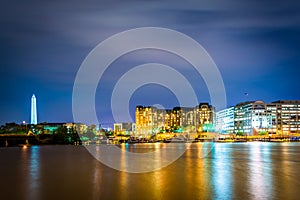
[(28, 144), (9, 140)]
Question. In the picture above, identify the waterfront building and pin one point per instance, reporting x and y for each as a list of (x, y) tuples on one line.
[(33, 119), (146, 120), (49, 128), (127, 128), (182, 117), (167, 120), (260, 118), (205, 117), (288, 116), (68, 128), (162, 117), (253, 118), (117, 127), (246, 118), (151, 120), (188, 117), (225, 121)]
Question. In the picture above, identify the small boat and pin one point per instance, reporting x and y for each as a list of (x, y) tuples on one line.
[(133, 140), (226, 140), (240, 140), (278, 140), (175, 140)]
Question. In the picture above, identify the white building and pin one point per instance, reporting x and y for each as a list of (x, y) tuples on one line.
[(279, 117), (253, 118), (127, 128), (225, 121)]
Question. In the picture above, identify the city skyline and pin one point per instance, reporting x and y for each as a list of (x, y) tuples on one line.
[(33, 111), (254, 44)]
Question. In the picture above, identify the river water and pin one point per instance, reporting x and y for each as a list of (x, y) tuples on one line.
[(254, 170)]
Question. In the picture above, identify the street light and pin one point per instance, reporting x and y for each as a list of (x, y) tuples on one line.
[(24, 123)]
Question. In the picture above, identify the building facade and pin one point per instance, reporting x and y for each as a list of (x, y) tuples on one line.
[(246, 118), (146, 120), (225, 121), (126, 128), (253, 118), (205, 115), (260, 118), (151, 120), (287, 117)]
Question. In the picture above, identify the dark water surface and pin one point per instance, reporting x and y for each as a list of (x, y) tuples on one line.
[(229, 171)]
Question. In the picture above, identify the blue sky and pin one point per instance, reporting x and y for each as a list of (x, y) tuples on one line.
[(255, 45)]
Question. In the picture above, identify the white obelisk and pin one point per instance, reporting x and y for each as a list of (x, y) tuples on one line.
[(33, 119)]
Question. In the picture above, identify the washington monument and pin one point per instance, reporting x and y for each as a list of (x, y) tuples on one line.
[(33, 119)]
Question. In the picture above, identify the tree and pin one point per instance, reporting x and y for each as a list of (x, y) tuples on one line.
[(240, 133), (263, 133)]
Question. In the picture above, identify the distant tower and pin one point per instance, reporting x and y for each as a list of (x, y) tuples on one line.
[(33, 119)]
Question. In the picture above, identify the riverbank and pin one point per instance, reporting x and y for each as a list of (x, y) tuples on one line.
[(9, 140), (12, 140)]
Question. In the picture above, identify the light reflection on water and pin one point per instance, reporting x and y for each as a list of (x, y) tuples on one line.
[(30, 167), (261, 170), (221, 167), (34, 172), (221, 171)]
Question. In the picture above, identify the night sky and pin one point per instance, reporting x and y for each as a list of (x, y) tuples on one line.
[(255, 44)]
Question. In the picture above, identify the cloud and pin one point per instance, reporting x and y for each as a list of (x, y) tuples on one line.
[(44, 42)]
